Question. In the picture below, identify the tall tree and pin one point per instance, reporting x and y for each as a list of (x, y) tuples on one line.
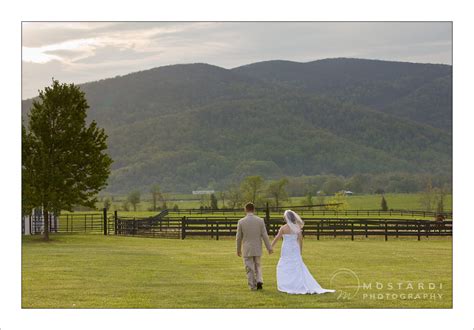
[(214, 202), (441, 196), (333, 185), (428, 196), (107, 203), (155, 195), (339, 202), (320, 198), (251, 188), (383, 204), (234, 196), (277, 191), (64, 160), (308, 200), (134, 199), (222, 196)]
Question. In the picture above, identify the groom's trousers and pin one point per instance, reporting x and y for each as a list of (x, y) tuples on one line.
[(253, 267)]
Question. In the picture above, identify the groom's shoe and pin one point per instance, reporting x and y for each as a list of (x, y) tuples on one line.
[(259, 285)]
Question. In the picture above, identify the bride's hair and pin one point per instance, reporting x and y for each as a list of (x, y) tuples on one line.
[(293, 221)]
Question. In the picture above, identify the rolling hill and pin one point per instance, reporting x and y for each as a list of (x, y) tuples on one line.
[(197, 125)]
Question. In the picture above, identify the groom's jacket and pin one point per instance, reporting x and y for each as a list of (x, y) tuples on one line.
[(250, 232)]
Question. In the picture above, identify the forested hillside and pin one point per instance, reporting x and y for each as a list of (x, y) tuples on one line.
[(201, 126)]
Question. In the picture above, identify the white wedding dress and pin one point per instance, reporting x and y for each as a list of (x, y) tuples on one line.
[(292, 274)]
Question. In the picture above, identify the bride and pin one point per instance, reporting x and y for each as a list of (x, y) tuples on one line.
[(292, 274)]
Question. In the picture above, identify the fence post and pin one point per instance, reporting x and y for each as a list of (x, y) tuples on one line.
[(183, 228), (105, 221), (352, 231), (217, 230), (366, 231), (317, 230), (116, 222), (386, 228), (418, 225)]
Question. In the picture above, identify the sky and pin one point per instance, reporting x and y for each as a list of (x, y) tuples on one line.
[(79, 52)]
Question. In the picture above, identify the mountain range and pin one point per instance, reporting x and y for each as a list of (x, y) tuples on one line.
[(192, 126)]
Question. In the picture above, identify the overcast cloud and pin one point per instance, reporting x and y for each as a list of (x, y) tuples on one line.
[(81, 52)]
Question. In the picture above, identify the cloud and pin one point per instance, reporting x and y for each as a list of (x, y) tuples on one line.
[(81, 52)]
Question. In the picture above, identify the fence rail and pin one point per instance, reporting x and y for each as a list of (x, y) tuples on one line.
[(173, 226), (312, 212), (318, 227)]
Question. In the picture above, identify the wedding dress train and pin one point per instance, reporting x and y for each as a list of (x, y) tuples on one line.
[(292, 274)]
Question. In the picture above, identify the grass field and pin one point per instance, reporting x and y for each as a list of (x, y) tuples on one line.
[(408, 201), (357, 202), (93, 271)]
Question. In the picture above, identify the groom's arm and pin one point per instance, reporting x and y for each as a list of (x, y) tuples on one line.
[(238, 239)]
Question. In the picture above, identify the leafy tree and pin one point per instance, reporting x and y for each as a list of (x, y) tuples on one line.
[(164, 197), (357, 183), (251, 188), (339, 199), (204, 201), (277, 191), (383, 204), (125, 205), (64, 160), (134, 199), (428, 197), (321, 199), (27, 203), (107, 203), (309, 199), (222, 196), (214, 202), (333, 185), (441, 196), (234, 197), (155, 195), (379, 191)]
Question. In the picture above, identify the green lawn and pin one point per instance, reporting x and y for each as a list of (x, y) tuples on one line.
[(93, 271)]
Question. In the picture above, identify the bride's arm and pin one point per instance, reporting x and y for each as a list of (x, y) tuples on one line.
[(300, 241), (277, 237)]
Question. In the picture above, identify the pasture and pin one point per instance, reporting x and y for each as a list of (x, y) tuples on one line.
[(94, 271), (396, 201)]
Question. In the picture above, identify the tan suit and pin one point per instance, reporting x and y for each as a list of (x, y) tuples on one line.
[(250, 232)]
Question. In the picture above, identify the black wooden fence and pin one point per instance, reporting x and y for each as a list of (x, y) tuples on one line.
[(214, 227), (311, 212)]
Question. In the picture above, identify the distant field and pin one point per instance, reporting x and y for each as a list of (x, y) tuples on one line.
[(93, 271), (355, 202)]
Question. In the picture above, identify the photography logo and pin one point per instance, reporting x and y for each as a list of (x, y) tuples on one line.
[(347, 282)]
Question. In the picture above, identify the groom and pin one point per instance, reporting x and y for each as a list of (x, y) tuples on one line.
[(250, 232)]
